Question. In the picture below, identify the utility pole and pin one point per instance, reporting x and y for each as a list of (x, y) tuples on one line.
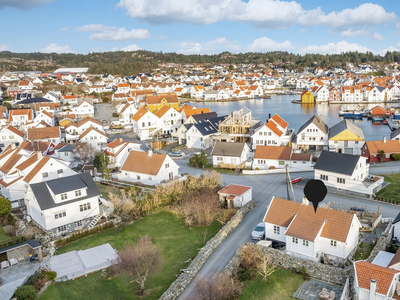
[(287, 182)]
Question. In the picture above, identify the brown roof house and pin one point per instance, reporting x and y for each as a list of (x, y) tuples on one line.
[(47, 134), (234, 195), (148, 168), (324, 234)]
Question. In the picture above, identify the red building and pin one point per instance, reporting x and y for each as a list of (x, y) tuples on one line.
[(372, 149), (334, 94)]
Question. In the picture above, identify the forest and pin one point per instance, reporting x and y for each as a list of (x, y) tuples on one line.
[(131, 63)]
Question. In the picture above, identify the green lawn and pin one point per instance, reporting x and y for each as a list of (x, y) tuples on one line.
[(106, 189), (280, 285), (391, 191), (3, 236), (178, 244), (364, 252)]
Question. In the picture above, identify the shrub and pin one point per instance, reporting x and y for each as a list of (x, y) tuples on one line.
[(50, 275), (115, 115), (396, 156), (5, 206), (9, 230), (10, 220), (26, 292)]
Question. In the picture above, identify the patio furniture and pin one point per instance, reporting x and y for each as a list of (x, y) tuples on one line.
[(34, 258), (324, 294), (331, 295), (4, 264), (13, 262)]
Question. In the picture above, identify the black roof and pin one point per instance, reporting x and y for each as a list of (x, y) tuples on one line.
[(216, 121), (397, 219), (202, 117), (32, 243), (43, 196), (33, 100), (337, 162), (68, 148), (205, 128), (395, 133)]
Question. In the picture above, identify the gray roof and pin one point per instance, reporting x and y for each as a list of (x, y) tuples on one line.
[(318, 122), (395, 133), (205, 128), (31, 243), (337, 162), (68, 148), (228, 149), (42, 194), (201, 117), (343, 125), (397, 219)]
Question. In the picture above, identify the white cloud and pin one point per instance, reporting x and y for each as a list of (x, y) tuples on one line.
[(333, 48), (66, 28), (4, 47), (273, 14), (22, 4), (210, 47), (265, 44), (391, 49), (302, 30), (112, 33), (56, 48), (353, 32), (377, 36), (132, 47)]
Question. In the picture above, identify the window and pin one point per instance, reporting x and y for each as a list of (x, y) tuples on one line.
[(259, 134), (84, 207), (356, 142), (276, 229), (305, 243), (166, 166), (59, 171), (281, 162), (333, 243), (324, 177), (341, 180), (295, 240), (261, 161), (78, 223), (59, 214), (143, 124), (64, 196), (78, 193), (220, 158), (62, 228), (149, 123), (45, 174), (137, 176)]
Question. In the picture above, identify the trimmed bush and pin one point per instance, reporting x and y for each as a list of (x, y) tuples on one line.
[(13, 241), (115, 115), (26, 292), (396, 156), (50, 275)]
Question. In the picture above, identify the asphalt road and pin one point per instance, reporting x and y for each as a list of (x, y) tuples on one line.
[(264, 187)]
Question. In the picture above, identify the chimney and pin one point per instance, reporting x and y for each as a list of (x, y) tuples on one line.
[(305, 201), (39, 154), (372, 289), (12, 145), (120, 139), (32, 143), (150, 153), (384, 139), (269, 116)]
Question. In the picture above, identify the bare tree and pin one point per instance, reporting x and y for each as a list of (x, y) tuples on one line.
[(265, 268), (124, 207), (219, 287), (138, 261), (84, 154)]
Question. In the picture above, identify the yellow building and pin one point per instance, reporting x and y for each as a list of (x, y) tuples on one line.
[(307, 97), (346, 137), (156, 101)]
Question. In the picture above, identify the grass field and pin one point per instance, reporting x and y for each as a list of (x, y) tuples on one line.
[(106, 189), (391, 191), (178, 244), (3, 236), (364, 252), (280, 285)]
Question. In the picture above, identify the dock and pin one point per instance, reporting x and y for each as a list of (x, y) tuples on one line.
[(392, 125)]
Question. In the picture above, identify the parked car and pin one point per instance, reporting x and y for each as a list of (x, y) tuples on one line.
[(355, 208), (175, 154), (258, 232)]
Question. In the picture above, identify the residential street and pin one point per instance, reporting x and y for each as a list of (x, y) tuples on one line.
[(264, 187)]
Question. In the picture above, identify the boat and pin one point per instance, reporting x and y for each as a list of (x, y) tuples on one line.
[(355, 114), (378, 119), (396, 116), (385, 122), (296, 180)]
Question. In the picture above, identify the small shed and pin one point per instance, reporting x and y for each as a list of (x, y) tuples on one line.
[(234, 195), (24, 250)]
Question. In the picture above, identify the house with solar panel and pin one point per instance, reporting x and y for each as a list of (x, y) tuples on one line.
[(64, 204)]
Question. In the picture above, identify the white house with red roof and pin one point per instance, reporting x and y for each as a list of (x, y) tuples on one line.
[(170, 119), (123, 88), (311, 235), (81, 126), (25, 85), (70, 99), (83, 110), (126, 112), (274, 132), (10, 135), (118, 151), (145, 124), (44, 116), (19, 117), (96, 138), (321, 93), (235, 195)]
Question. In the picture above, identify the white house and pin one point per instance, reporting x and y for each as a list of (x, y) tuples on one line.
[(126, 112), (3, 116), (234, 195), (145, 124), (19, 117), (80, 127), (273, 132), (46, 134), (200, 135), (278, 157), (84, 109), (346, 172), (148, 168), (230, 154), (346, 137), (375, 282), (44, 116), (97, 138), (170, 119), (9, 135), (64, 204), (118, 151), (311, 235), (312, 135), (352, 93), (321, 93)]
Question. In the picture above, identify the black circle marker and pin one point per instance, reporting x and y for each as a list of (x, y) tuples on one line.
[(315, 191)]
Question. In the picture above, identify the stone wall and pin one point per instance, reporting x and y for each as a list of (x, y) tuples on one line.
[(282, 260), (185, 278), (380, 245)]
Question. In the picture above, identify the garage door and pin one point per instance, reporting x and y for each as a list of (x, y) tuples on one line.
[(348, 150)]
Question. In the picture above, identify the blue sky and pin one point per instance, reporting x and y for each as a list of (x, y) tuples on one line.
[(200, 26)]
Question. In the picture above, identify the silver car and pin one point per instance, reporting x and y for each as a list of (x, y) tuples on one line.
[(258, 232)]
